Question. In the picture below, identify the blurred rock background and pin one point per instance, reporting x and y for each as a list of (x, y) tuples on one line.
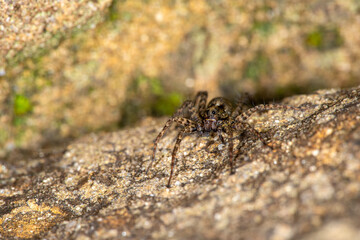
[(72, 67)]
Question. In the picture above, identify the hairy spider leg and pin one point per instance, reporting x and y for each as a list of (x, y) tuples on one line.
[(189, 127), (247, 127), (192, 116), (202, 100), (181, 121), (201, 97), (224, 127), (262, 107), (241, 104), (221, 137), (186, 105), (231, 151), (241, 119)]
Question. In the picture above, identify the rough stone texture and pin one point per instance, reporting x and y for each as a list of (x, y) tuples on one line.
[(307, 187), (27, 26)]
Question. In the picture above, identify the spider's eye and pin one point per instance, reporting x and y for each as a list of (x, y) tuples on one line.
[(213, 112)]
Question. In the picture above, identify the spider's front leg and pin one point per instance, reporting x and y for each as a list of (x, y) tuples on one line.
[(178, 120), (242, 125), (240, 106), (240, 120), (231, 150), (187, 105), (189, 127), (261, 108), (229, 132), (201, 97)]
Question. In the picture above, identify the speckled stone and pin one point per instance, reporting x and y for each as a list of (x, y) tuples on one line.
[(29, 25), (97, 188)]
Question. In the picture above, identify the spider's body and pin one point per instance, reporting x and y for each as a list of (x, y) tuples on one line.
[(218, 116), (217, 112)]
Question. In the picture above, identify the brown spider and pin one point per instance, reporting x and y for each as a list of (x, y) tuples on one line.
[(218, 116)]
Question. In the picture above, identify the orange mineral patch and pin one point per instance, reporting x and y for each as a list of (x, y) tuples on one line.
[(30, 220)]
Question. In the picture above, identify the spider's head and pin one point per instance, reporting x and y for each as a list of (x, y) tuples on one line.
[(217, 109)]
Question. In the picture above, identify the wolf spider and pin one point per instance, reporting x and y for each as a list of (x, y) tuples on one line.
[(218, 116)]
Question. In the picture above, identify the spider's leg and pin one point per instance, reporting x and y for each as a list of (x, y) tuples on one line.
[(237, 111), (180, 112), (187, 105), (202, 100), (241, 119), (179, 120), (231, 151), (263, 107), (224, 127), (241, 105), (221, 137), (229, 132), (176, 148), (190, 127), (209, 143), (250, 128), (201, 97)]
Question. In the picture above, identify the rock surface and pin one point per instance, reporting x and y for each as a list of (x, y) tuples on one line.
[(27, 26), (306, 187)]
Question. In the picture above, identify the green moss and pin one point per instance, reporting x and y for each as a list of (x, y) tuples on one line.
[(4, 135), (113, 14), (166, 104), (147, 96), (117, 14), (19, 136), (314, 39), (259, 66), (156, 87), (19, 121), (126, 16), (22, 105), (264, 28), (35, 52), (324, 38)]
